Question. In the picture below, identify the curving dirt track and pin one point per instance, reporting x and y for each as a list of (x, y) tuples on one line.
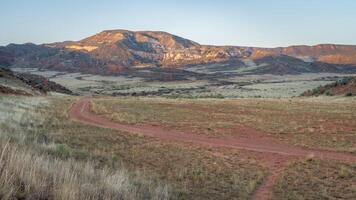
[(277, 153)]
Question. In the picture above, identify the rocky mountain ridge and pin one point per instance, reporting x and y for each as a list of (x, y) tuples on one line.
[(117, 51)]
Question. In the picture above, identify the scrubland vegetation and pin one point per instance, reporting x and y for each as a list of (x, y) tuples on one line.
[(212, 84), (345, 87)]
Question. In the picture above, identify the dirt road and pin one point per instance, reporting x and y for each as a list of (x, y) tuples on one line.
[(279, 153)]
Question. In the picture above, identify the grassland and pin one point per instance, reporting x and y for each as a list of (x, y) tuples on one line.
[(70, 160), (116, 164), (33, 166), (317, 180), (318, 123)]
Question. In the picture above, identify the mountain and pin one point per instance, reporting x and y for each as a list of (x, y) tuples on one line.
[(42, 56), (328, 53), (6, 59), (284, 64), (122, 51), (121, 48)]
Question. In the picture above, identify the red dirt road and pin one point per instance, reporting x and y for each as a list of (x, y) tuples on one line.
[(278, 153)]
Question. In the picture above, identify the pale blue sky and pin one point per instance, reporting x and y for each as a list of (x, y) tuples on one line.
[(267, 23)]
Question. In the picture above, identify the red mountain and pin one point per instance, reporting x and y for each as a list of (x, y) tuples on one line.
[(118, 51)]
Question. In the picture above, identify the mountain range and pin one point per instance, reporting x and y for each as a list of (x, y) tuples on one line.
[(120, 51)]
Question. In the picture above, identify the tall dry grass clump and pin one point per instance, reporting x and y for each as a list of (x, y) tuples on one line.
[(29, 172), (25, 175)]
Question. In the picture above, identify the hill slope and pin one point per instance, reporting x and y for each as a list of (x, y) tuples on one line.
[(328, 53), (346, 86), (27, 84)]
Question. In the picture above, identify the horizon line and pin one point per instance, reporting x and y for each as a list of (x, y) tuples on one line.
[(162, 31)]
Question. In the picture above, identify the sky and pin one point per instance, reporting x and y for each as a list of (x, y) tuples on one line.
[(261, 23)]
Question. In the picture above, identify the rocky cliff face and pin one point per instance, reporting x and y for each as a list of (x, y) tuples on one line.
[(115, 51), (203, 54)]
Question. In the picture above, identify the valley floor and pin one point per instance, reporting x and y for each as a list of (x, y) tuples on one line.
[(212, 83)]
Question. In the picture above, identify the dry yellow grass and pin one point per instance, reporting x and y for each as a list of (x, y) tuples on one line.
[(314, 179), (155, 168), (26, 175), (317, 123), (327, 123), (33, 167)]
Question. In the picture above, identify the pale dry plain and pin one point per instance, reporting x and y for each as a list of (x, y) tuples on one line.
[(237, 85)]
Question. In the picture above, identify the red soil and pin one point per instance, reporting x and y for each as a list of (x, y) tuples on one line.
[(275, 154)]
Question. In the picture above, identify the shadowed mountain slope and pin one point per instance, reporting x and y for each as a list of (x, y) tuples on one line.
[(27, 84)]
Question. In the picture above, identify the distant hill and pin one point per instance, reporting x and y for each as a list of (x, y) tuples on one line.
[(27, 84), (117, 51), (327, 53), (346, 87), (6, 59)]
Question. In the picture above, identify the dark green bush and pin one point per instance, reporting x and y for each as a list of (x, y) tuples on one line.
[(349, 94)]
